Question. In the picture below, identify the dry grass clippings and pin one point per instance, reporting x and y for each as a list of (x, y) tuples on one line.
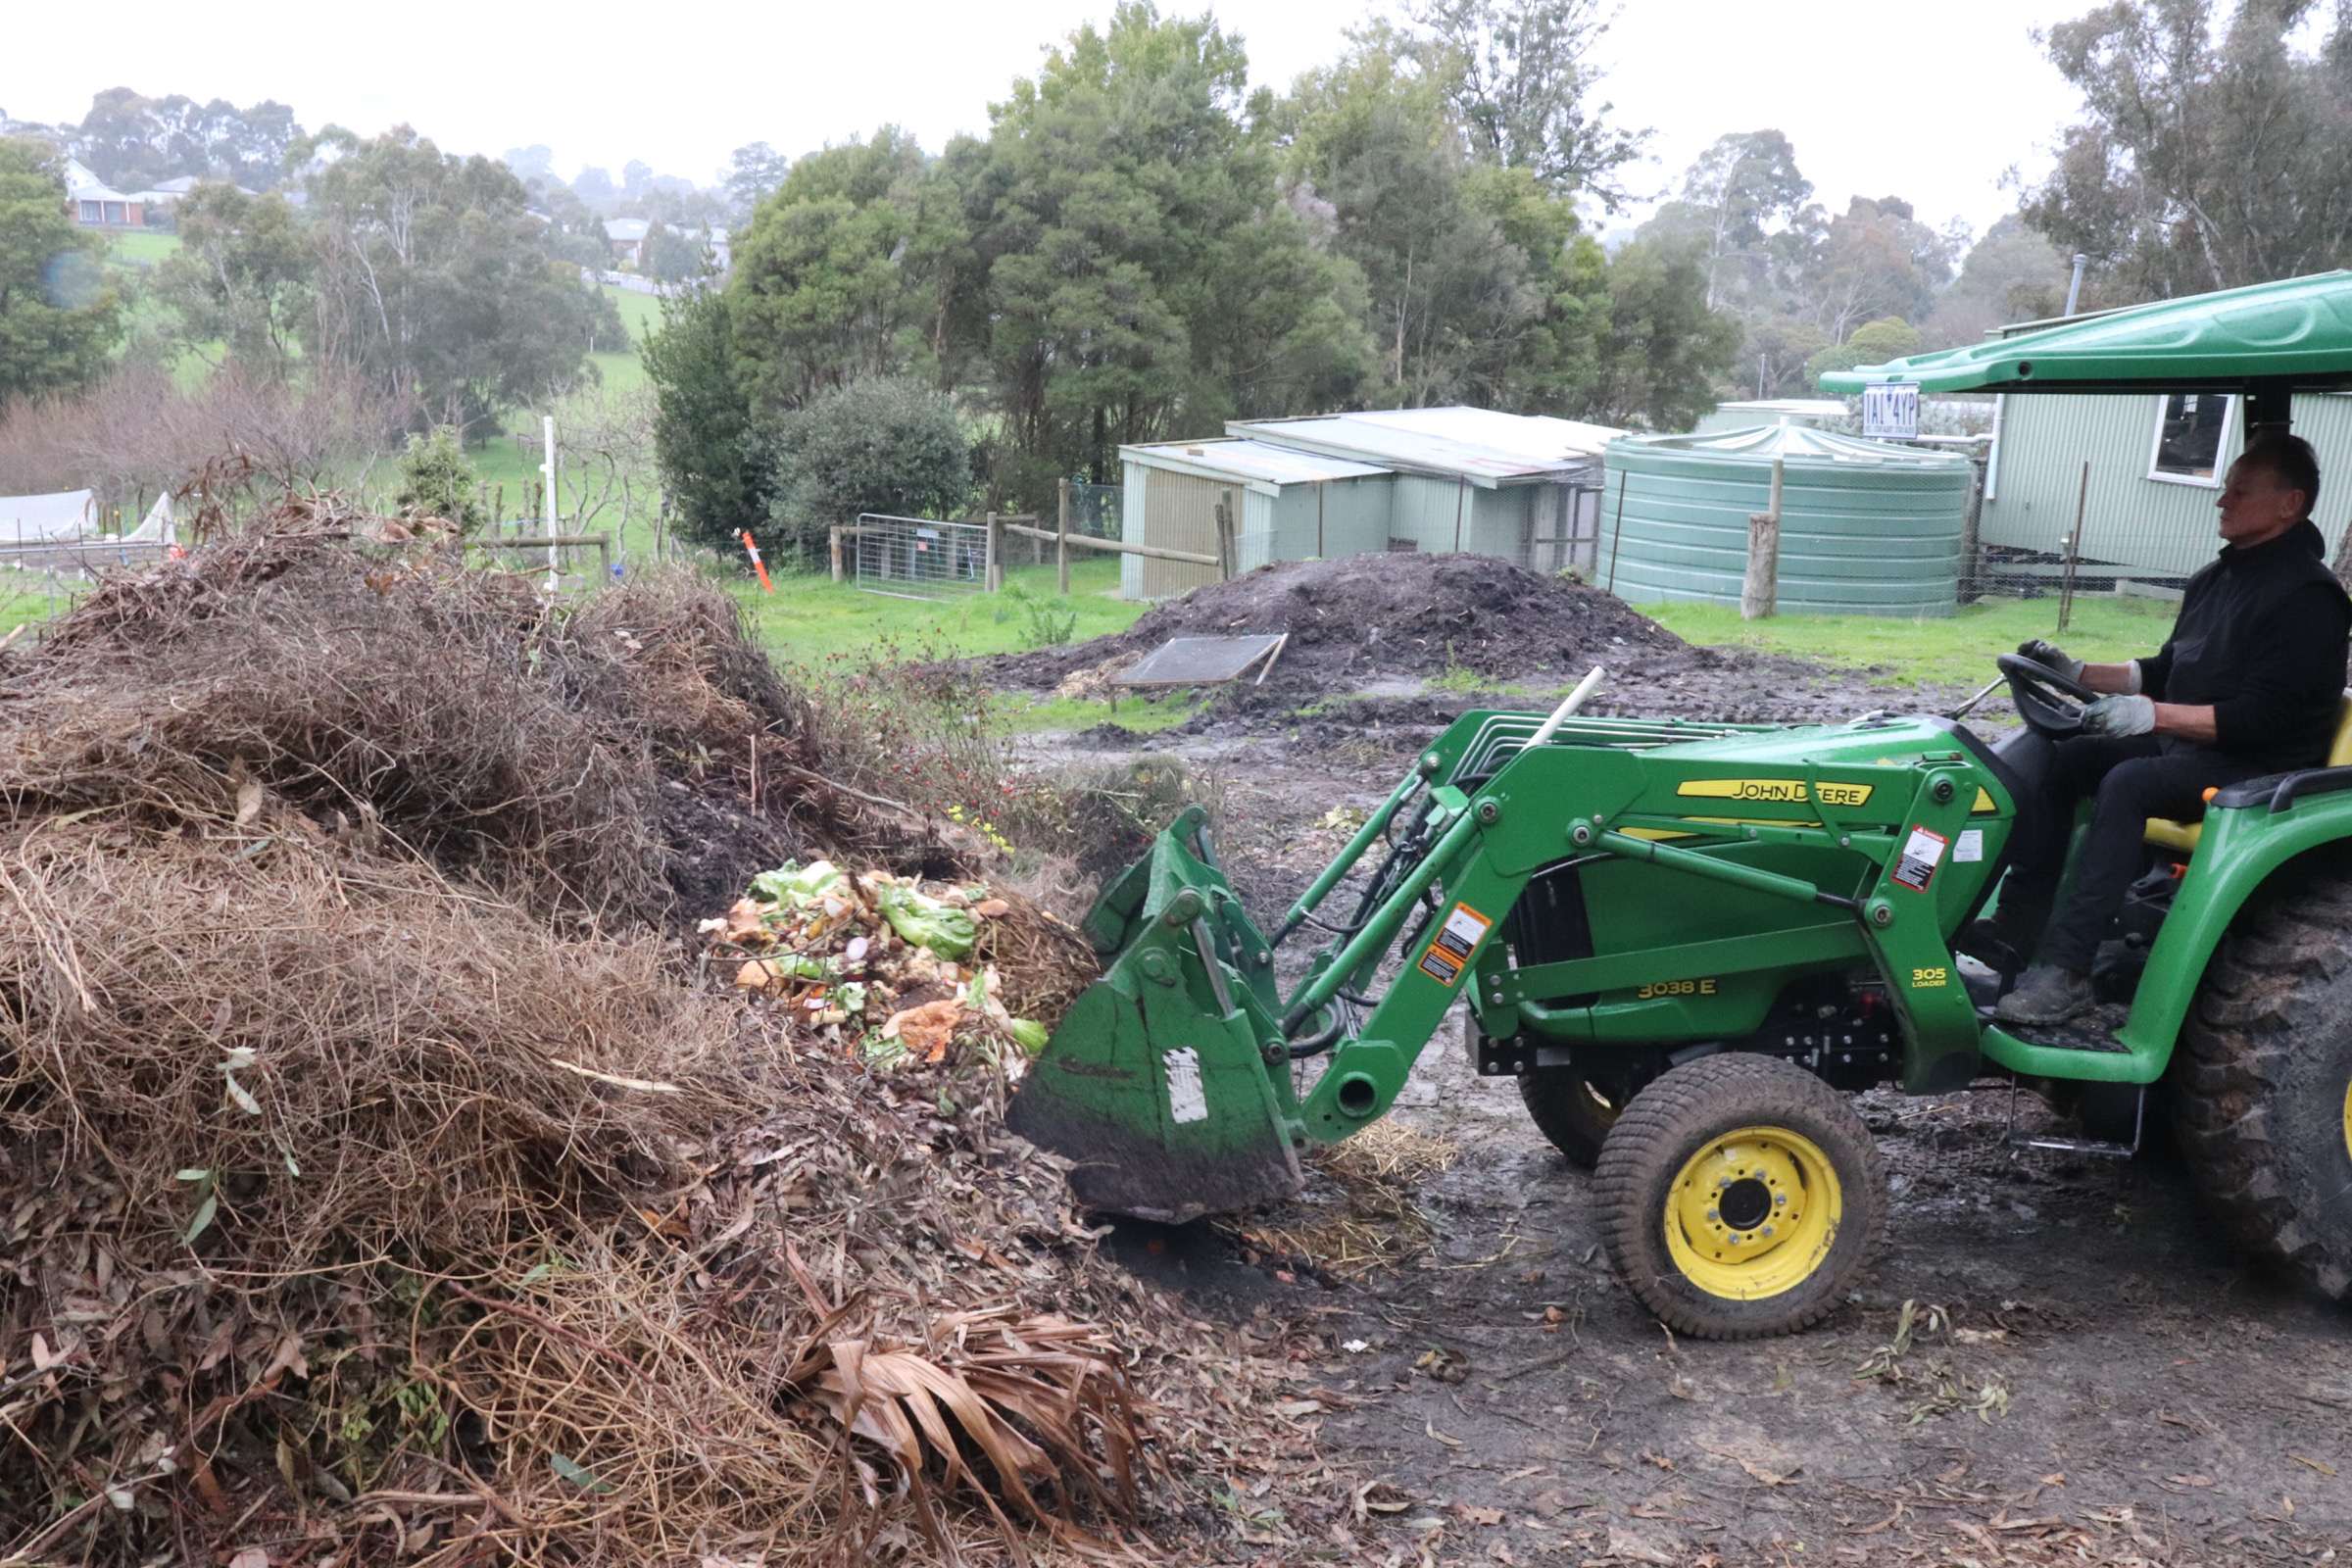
[(1361, 1209), (378, 1183)]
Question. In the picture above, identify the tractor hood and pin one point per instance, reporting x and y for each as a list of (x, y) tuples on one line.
[(2294, 335)]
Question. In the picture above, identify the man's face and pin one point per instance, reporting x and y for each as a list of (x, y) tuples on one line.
[(2255, 507)]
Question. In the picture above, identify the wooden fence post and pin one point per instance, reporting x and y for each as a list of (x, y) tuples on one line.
[(1061, 538), (835, 532), (1760, 592), (992, 571), (1225, 538)]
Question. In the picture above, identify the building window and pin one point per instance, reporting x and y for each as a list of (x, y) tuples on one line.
[(90, 212), (2191, 428)]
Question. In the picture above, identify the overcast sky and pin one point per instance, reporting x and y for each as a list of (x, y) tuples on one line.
[(1931, 102)]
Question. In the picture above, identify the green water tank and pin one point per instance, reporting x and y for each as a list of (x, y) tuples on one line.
[(1867, 527)]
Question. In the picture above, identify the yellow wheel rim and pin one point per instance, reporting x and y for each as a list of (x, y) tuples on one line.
[(1755, 1212)]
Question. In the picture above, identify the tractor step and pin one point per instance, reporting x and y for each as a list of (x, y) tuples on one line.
[(2058, 1035)]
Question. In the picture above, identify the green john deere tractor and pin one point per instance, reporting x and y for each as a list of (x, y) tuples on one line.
[(1684, 940)]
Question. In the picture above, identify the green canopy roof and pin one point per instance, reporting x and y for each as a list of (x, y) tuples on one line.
[(2271, 336)]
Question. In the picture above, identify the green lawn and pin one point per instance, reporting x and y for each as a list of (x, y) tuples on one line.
[(24, 596), (139, 247), (810, 618), (1957, 650)]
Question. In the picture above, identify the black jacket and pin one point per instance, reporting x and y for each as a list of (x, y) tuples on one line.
[(2262, 638)]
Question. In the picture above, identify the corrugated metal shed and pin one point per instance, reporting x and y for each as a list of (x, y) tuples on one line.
[(1867, 527), (1255, 463), (2155, 525), (1437, 479), (1478, 446)]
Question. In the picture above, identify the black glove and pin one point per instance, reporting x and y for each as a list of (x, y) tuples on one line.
[(2052, 657)]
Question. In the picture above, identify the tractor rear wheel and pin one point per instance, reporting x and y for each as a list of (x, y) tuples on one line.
[(1571, 1111), (1740, 1195), (2262, 1079)]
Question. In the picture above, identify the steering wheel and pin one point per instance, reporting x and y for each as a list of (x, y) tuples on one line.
[(2040, 692)]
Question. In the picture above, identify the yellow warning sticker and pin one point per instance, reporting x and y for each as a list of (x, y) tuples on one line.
[(1449, 952), (1789, 791)]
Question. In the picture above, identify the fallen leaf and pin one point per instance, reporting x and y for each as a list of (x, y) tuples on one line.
[(1502, 1555), (1759, 1472), (287, 1356), (1381, 1497), (580, 1475), (1292, 1409), (249, 803), (2191, 1480), (2323, 1469), (1471, 1513), (250, 1557), (1430, 1427)]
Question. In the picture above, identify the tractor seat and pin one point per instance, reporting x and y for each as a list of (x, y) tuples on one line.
[(2163, 831)]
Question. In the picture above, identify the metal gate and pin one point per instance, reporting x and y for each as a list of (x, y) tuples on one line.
[(916, 557)]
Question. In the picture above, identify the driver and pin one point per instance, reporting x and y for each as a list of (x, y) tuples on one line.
[(2247, 685)]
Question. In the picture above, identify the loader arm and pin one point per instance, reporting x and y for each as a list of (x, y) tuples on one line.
[(1716, 865)]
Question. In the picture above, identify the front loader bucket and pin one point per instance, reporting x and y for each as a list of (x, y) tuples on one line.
[(1157, 1084)]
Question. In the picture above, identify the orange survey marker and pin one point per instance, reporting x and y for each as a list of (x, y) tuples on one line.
[(752, 549)]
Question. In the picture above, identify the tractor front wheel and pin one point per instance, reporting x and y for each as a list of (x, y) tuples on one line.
[(1738, 1198), (2262, 1080), (1571, 1111)]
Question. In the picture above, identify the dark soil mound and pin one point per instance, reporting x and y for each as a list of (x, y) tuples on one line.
[(1362, 617)]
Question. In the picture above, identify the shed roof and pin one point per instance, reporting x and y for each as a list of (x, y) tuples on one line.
[(1793, 443), (2298, 329), (1265, 469), (1487, 448)]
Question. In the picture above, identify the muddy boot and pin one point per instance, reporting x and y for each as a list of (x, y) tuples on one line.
[(2047, 995), (2006, 942)]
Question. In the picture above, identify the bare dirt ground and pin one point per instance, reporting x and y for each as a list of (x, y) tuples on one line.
[(2092, 1373)]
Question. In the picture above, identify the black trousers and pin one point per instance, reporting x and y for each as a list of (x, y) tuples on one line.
[(2133, 780)]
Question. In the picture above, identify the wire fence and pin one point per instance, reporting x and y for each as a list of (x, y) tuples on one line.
[(917, 558), (1095, 508)]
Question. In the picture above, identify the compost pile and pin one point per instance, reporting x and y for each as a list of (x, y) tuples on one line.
[(1362, 617), (379, 1182)]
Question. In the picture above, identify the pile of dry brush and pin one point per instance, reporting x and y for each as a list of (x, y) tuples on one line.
[(375, 1183)]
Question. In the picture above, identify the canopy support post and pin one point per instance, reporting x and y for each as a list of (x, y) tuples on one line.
[(2270, 407)]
